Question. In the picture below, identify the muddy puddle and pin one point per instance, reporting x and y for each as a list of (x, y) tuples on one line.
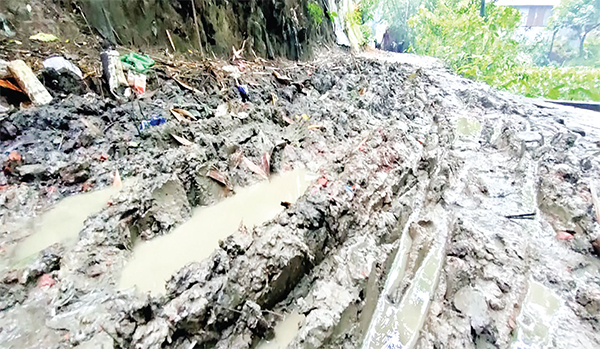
[(154, 261), (63, 222), (397, 325), (468, 126), (537, 318), (285, 331)]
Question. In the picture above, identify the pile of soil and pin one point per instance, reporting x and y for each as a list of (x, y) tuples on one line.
[(502, 185)]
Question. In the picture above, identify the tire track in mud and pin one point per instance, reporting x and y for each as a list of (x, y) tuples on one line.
[(389, 146)]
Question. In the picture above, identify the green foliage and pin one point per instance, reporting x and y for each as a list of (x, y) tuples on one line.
[(576, 83), (582, 16), (332, 15), (362, 14), (475, 47), (315, 12)]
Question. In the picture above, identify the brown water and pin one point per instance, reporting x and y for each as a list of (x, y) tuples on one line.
[(398, 325), (537, 318), (285, 331), (63, 222), (154, 261)]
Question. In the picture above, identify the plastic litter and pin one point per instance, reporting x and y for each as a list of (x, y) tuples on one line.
[(59, 63), (137, 82), (155, 121), (113, 70), (43, 37), (243, 92), (137, 62)]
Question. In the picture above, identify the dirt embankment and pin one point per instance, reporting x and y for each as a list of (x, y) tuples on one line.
[(266, 29), (430, 191)]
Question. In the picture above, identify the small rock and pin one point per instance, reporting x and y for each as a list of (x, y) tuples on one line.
[(596, 246), (31, 172), (7, 131)]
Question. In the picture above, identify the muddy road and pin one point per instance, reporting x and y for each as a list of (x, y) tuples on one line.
[(376, 201)]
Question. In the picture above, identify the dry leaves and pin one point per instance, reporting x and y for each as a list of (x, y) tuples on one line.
[(181, 115), (181, 140), (266, 163), (254, 168), (281, 78), (219, 177)]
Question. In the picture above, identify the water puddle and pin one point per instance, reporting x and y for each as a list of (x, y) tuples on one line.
[(154, 261), (536, 320), (467, 126), (63, 222), (398, 325), (285, 331)]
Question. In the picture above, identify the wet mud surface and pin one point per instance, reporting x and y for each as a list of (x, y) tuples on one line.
[(435, 213)]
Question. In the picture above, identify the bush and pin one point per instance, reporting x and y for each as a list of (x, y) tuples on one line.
[(574, 83), (315, 12)]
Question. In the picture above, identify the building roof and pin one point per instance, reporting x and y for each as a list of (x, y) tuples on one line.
[(527, 2)]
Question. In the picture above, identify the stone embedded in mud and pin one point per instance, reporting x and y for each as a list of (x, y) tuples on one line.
[(472, 303), (32, 172), (596, 246)]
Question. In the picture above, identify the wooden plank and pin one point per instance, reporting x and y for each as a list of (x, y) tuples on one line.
[(29, 83)]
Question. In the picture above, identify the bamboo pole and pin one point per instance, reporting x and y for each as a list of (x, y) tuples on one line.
[(197, 29)]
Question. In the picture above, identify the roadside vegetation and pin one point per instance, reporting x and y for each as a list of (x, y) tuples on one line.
[(483, 43)]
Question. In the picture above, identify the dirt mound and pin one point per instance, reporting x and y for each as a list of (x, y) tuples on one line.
[(441, 213)]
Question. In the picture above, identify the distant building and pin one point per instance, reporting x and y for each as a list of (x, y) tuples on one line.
[(535, 13)]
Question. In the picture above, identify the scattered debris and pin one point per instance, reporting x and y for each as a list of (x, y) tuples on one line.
[(282, 79), (113, 70), (182, 115), (137, 81), (137, 62), (9, 85), (46, 281), (182, 140), (243, 93), (522, 216), (117, 183), (561, 235), (43, 37), (155, 121), (256, 169), (219, 177), (59, 63), (266, 163), (29, 83)]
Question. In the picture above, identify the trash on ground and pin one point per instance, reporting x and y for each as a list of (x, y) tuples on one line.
[(314, 127), (254, 168), (137, 81), (59, 63), (288, 120), (563, 235), (46, 281), (29, 83), (117, 182), (9, 85), (137, 62), (43, 37), (182, 140), (243, 93), (155, 121), (113, 70), (322, 181)]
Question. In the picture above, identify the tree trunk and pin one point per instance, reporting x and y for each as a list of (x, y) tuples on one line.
[(581, 43), (552, 43)]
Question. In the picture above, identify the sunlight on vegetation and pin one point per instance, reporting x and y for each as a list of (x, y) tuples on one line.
[(489, 49)]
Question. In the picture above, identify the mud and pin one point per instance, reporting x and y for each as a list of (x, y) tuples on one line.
[(439, 199)]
